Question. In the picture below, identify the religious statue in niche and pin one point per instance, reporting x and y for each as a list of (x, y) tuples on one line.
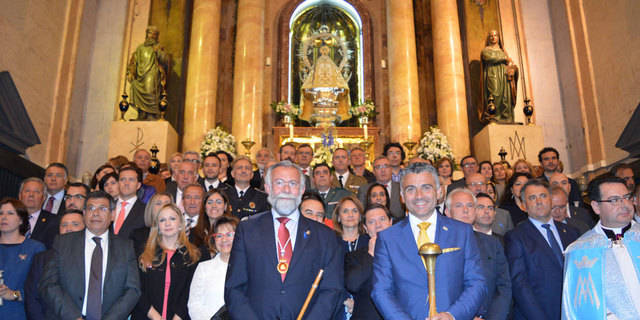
[(325, 91), (499, 81), (147, 73)]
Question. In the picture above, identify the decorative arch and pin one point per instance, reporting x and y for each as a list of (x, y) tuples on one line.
[(293, 8)]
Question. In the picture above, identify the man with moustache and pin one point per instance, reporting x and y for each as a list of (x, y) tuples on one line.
[(603, 266), (277, 254)]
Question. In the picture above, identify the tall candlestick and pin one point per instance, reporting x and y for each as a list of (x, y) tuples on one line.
[(249, 133), (291, 131), (366, 133), (410, 133)]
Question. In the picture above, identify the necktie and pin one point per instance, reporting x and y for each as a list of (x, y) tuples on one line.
[(554, 244), (241, 193), (94, 294), (438, 211), (285, 250), (49, 206), (120, 219), (323, 194), (210, 187), (341, 184), (423, 237), (28, 234), (304, 171)]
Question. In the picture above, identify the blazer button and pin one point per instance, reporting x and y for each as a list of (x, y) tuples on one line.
[(282, 292)]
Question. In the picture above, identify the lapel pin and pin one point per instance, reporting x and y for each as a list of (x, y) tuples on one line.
[(307, 234), (44, 219), (22, 257), (564, 230), (445, 228)]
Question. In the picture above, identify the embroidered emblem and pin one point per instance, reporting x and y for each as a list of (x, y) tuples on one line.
[(252, 205), (22, 257)]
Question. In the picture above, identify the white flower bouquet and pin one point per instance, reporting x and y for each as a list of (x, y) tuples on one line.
[(218, 139), (367, 109), (434, 146), (285, 108)]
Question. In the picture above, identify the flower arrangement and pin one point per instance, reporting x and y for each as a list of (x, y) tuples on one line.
[(286, 109), (325, 152), (218, 139), (367, 109), (434, 146)]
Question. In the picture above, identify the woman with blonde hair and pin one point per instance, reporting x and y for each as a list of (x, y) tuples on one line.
[(523, 166), (167, 263), (139, 236)]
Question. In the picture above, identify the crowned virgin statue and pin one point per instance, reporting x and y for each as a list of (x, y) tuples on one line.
[(325, 86)]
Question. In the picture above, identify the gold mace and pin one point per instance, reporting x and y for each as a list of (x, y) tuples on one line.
[(429, 252)]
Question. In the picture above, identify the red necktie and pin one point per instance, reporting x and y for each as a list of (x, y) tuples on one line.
[(49, 206), (120, 219), (285, 250)]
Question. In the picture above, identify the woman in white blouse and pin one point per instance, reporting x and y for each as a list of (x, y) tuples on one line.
[(206, 296)]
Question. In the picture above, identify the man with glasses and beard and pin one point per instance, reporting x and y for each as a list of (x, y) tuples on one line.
[(277, 254)]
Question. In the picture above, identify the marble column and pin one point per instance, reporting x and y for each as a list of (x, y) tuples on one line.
[(248, 73), (449, 76), (404, 98), (202, 73)]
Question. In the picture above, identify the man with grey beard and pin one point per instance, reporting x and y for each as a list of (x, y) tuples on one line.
[(277, 254)]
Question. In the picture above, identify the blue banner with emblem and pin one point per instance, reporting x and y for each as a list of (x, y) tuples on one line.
[(583, 290)]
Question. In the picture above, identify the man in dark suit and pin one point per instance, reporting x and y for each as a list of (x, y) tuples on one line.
[(342, 176), (71, 220), (358, 265), (550, 161), (186, 174), (560, 180), (76, 196), (110, 287), (502, 223), (399, 275), (560, 207), (244, 199), (534, 251), (469, 165), (263, 156), (322, 179), (211, 170), (382, 170), (129, 214), (43, 224), (485, 216), (277, 254), (462, 205), (55, 179)]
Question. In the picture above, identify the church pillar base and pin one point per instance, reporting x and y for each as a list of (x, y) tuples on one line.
[(519, 141), (128, 136)]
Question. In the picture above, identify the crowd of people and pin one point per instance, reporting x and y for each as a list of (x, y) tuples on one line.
[(212, 237)]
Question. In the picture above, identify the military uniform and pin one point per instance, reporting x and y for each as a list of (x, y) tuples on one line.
[(331, 199), (252, 202), (352, 183)]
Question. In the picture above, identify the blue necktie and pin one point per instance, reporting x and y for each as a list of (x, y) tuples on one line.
[(554, 244)]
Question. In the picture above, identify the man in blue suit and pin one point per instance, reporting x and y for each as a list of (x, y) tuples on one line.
[(535, 253), (399, 277), (277, 254), (462, 205)]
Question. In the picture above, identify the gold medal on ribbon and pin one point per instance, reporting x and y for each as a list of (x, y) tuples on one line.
[(283, 266)]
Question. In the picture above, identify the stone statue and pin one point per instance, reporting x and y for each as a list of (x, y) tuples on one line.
[(147, 73), (499, 79), (325, 81)]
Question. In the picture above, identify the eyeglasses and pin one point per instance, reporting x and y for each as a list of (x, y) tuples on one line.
[(618, 200), (381, 166), (74, 196), (469, 164), (101, 209), (477, 184), (219, 236)]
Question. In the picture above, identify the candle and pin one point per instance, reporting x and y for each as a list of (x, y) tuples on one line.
[(366, 133), (410, 133), (291, 131), (249, 133)]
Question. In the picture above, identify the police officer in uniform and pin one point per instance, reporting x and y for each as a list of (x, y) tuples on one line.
[(245, 200)]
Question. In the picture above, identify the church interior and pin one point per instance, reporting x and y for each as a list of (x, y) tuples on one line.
[(355, 72)]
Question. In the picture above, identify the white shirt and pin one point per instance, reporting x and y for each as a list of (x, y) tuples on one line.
[(568, 211), (33, 219), (206, 295), (244, 191), (89, 246), (57, 201), (179, 198), (127, 208), (431, 230), (194, 220), (345, 177), (213, 184), (292, 226), (490, 232), (543, 231)]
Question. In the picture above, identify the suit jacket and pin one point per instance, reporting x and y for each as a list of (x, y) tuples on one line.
[(400, 279), (358, 279), (46, 228), (583, 215), (578, 225), (257, 181), (252, 202), (574, 193), (396, 207), (253, 287), (133, 221), (172, 189), (352, 184), (334, 195), (221, 185), (502, 223), (536, 275), (62, 286), (33, 304), (460, 183), (496, 268)]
